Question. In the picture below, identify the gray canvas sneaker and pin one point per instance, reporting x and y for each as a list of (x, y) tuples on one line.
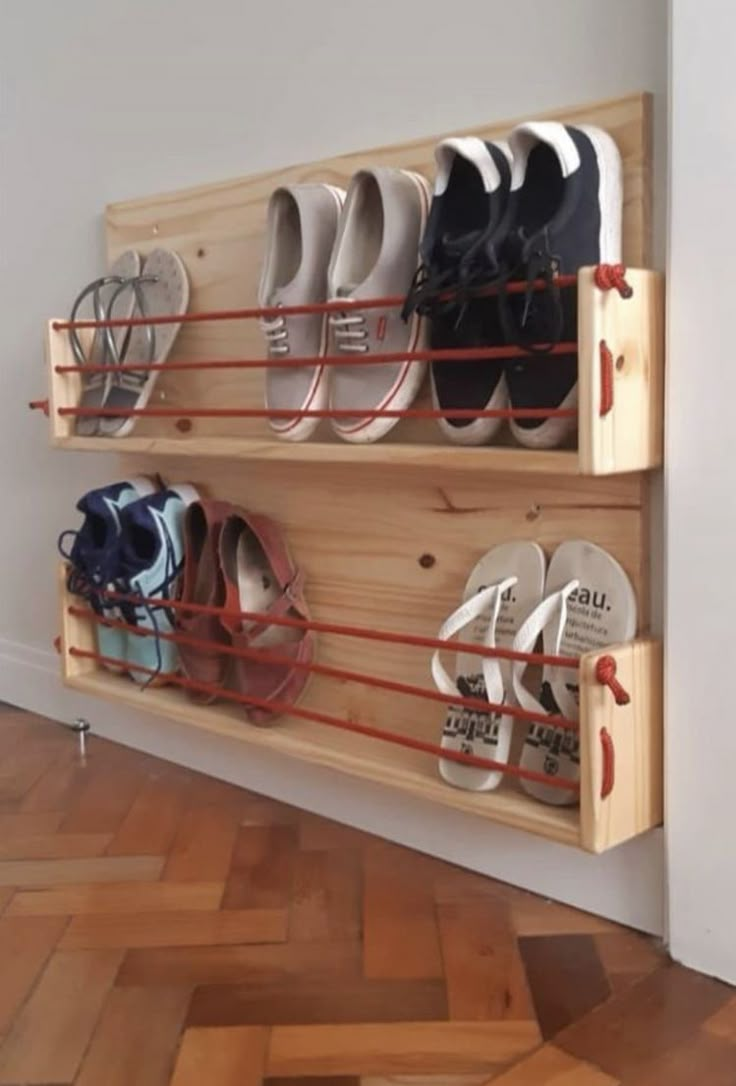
[(376, 256), (300, 232)]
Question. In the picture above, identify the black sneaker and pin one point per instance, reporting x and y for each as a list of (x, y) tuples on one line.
[(459, 251), (564, 213)]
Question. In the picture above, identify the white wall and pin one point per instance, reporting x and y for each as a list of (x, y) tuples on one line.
[(701, 515), (102, 102)]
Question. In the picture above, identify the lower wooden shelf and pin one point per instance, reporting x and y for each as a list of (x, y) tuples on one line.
[(633, 805), (369, 759)]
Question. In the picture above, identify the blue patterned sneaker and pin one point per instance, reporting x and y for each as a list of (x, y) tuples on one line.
[(151, 564), (94, 555)]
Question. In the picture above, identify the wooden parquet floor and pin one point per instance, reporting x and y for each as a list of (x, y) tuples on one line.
[(158, 927)]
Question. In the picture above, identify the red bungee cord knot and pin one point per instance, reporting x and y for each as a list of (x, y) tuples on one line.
[(613, 277), (606, 356), (605, 674), (39, 405)]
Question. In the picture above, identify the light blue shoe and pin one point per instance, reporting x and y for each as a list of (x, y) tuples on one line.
[(151, 564), (95, 553)]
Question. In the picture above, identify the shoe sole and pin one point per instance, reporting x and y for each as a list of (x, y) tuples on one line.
[(406, 388), (554, 432), (317, 399), (481, 431)]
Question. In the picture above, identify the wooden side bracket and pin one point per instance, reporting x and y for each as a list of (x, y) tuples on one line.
[(634, 804)]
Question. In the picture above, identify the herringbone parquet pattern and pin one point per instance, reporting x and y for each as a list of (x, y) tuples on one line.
[(157, 926)]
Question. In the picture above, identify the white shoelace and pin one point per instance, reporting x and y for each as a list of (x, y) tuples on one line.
[(350, 331), (277, 335)]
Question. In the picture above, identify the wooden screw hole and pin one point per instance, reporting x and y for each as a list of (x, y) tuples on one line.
[(426, 561)]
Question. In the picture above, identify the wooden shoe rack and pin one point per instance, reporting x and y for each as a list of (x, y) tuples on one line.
[(387, 533)]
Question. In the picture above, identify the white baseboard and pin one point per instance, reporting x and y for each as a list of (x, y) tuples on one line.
[(626, 884)]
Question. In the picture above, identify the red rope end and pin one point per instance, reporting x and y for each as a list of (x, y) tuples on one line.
[(608, 776), (39, 405), (605, 674), (606, 356), (613, 277), (57, 644)]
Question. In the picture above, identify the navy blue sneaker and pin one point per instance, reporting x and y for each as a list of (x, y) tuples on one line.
[(460, 251), (564, 213), (94, 557), (151, 563)]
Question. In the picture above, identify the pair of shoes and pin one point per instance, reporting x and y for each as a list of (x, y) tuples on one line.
[(157, 286), (131, 542), (583, 602), (238, 562), (323, 245), (541, 206)]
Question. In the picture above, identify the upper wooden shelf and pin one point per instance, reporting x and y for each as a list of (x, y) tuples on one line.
[(619, 432)]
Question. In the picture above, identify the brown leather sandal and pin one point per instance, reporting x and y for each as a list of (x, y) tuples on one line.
[(259, 575), (203, 583)]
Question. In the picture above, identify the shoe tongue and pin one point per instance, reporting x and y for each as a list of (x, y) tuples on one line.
[(141, 539), (101, 524)]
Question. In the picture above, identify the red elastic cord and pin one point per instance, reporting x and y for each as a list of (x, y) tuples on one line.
[(277, 707), (362, 632), (605, 674), (608, 773), (348, 413), (454, 354), (268, 312), (606, 357), (613, 277), (341, 674), (40, 405)]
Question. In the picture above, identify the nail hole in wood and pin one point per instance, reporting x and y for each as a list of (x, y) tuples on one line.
[(534, 512), (620, 362), (426, 561), (154, 229), (200, 253), (184, 425)]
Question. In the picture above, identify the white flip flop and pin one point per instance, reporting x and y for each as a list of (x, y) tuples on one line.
[(589, 603), (161, 289), (95, 386), (505, 585)]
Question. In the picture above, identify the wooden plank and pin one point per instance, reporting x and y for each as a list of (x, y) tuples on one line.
[(406, 1047), (117, 897), (269, 963), (24, 824), (25, 945), (636, 803), (136, 1039), (723, 1022), (394, 890), (203, 845), (629, 436), (445, 458), (23, 873), (566, 979), (261, 869), (223, 1056), (483, 969), (54, 846), (198, 928), (51, 1034), (150, 825), (550, 1066), (308, 1001)]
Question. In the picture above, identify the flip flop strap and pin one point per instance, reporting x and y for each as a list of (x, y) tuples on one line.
[(552, 610), (487, 601), (94, 288), (119, 353)]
